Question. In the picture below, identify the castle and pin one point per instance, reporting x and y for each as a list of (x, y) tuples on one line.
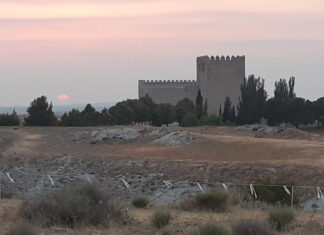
[(217, 78)]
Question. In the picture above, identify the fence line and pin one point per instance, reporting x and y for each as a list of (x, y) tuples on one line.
[(169, 184)]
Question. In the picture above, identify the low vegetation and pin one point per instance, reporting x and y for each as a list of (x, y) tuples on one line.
[(274, 194), (188, 204), (21, 229), (283, 107), (140, 202), (81, 205), (213, 229), (86, 207), (7, 119), (213, 200), (281, 218), (161, 218), (253, 227), (6, 192)]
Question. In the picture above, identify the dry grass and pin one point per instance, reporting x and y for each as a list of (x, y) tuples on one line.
[(215, 145), (184, 222)]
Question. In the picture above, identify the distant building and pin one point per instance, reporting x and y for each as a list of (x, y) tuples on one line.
[(217, 78)]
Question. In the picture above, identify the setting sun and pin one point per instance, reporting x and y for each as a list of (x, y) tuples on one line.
[(63, 97)]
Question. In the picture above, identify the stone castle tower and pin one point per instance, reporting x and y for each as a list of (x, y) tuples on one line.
[(217, 78)]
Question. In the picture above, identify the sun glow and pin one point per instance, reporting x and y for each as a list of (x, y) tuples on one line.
[(63, 97)]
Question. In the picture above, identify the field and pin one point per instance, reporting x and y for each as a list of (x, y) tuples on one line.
[(146, 156)]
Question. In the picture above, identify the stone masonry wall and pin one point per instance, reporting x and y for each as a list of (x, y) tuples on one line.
[(217, 78), (168, 91)]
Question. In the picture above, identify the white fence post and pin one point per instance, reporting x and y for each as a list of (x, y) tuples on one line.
[(292, 197)]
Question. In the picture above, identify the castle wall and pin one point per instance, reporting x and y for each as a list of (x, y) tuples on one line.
[(168, 91), (219, 78)]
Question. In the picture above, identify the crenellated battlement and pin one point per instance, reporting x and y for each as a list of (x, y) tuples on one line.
[(167, 83), (221, 59), (218, 77)]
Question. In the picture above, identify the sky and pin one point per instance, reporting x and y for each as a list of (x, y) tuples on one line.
[(96, 50)]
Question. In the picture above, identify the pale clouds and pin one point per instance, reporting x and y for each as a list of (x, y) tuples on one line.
[(81, 46), (87, 9)]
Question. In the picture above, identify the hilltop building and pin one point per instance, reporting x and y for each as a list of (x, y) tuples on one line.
[(217, 78)]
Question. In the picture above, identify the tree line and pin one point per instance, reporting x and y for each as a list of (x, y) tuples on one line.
[(283, 107)]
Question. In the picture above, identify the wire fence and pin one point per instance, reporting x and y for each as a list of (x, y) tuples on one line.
[(295, 193)]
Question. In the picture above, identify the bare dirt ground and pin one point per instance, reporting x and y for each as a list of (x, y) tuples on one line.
[(206, 144), (145, 156)]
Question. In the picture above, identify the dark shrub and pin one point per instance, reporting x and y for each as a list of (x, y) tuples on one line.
[(253, 227), (161, 219), (213, 229), (281, 218), (81, 205), (21, 229), (188, 204), (7, 119), (6, 192), (140, 202), (239, 196), (189, 120), (214, 200), (211, 120), (274, 194), (40, 113)]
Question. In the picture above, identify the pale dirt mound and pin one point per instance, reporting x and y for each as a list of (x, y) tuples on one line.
[(294, 133), (161, 136), (105, 134), (172, 138), (277, 132)]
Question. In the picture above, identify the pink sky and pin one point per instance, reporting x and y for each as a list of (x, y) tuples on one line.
[(74, 46)]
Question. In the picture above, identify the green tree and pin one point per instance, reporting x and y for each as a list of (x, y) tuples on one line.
[(227, 110), (296, 111), (7, 119), (166, 114), (199, 105), (211, 120), (205, 111), (252, 100), (121, 114), (318, 110), (292, 87), (271, 112), (72, 118), (144, 109), (40, 113), (184, 107), (321, 120), (105, 117), (149, 109), (90, 117), (285, 107), (233, 115), (189, 120)]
